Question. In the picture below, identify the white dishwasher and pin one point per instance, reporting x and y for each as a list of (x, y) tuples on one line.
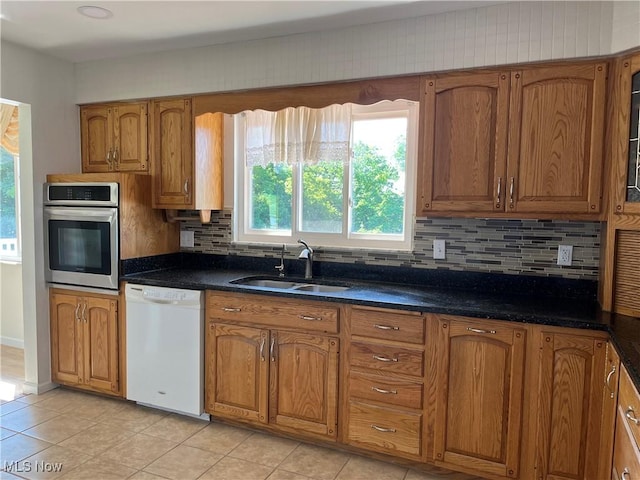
[(165, 348)]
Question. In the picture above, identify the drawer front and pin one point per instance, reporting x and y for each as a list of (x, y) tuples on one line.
[(383, 429), (402, 327), (387, 358), (385, 389), (626, 458), (261, 310), (629, 402)]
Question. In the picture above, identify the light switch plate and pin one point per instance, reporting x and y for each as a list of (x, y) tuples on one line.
[(186, 238), (439, 249), (565, 255)]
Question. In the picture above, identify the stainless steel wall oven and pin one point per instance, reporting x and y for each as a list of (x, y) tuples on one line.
[(81, 234)]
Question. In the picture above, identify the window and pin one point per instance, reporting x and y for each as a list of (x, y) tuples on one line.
[(9, 182), (339, 176)]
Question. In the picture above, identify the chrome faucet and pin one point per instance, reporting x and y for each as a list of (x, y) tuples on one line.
[(307, 253), (280, 267)]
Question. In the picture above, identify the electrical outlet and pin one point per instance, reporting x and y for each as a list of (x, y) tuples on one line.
[(565, 255), (186, 238), (439, 249)]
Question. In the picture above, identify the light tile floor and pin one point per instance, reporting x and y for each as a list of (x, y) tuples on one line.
[(68, 434)]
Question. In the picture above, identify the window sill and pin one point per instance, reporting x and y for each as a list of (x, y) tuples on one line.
[(11, 260)]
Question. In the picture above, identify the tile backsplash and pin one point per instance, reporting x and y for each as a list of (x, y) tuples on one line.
[(518, 247)]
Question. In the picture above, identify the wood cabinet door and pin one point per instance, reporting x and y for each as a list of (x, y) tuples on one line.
[(172, 160), (556, 139), (609, 405), (465, 143), (99, 317), (96, 132), (569, 406), (304, 382), (479, 396), (130, 137), (624, 125), (66, 338), (237, 372)]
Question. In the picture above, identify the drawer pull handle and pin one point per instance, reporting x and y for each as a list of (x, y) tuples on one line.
[(382, 429), (385, 327), (384, 359), (231, 310), (631, 415), (386, 392), (626, 475), (607, 383), (310, 318), (480, 330), (262, 349)]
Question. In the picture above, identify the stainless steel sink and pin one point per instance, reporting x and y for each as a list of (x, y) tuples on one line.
[(278, 284), (321, 288)]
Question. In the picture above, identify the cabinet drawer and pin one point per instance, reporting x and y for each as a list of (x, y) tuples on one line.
[(384, 429), (629, 402), (385, 389), (626, 458), (387, 358), (386, 325), (261, 310)]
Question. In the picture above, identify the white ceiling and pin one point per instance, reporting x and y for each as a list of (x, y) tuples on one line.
[(56, 28)]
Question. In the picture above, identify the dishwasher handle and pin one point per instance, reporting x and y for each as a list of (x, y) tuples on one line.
[(161, 302)]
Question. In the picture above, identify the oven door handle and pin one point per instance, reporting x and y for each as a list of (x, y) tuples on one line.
[(81, 214)]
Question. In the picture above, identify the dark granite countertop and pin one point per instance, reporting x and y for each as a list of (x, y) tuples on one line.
[(544, 301)]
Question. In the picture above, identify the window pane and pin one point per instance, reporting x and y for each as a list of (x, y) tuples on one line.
[(322, 186), (378, 176), (8, 225), (271, 197)]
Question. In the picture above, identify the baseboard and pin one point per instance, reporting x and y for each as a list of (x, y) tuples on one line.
[(38, 388), (12, 342)]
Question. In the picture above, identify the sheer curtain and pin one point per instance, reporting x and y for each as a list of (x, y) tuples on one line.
[(299, 135), (9, 127)]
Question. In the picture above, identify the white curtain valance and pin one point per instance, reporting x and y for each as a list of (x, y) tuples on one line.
[(298, 135)]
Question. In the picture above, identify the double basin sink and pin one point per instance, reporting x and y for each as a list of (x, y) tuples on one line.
[(283, 284)]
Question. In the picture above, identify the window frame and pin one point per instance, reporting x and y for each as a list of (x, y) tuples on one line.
[(243, 234)]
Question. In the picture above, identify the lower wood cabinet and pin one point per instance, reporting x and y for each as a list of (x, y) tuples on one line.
[(385, 371), (492, 399), (626, 452), (286, 379), (479, 394), (569, 407), (84, 340)]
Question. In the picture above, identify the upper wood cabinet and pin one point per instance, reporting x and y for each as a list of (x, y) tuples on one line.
[(187, 155), (479, 395), (114, 138), (625, 149), (556, 139), (84, 340), (527, 142), (465, 143)]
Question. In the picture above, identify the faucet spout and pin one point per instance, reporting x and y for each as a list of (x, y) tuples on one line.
[(307, 254)]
